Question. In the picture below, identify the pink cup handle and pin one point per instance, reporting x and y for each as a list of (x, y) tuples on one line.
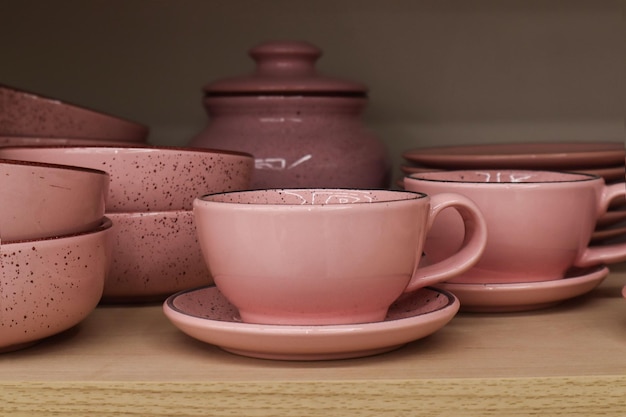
[(606, 254), (471, 250)]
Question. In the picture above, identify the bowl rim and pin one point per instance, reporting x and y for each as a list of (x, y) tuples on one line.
[(105, 224), (137, 147), (8, 161)]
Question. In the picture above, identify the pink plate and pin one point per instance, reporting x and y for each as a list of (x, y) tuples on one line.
[(610, 173), (609, 233), (206, 315), (522, 155), (611, 217), (496, 298)]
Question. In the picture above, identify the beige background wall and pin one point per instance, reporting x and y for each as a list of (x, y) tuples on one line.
[(440, 72)]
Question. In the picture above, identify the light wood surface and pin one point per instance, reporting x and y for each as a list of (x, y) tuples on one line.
[(568, 360)]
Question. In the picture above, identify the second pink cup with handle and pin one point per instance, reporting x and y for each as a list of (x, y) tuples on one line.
[(539, 222)]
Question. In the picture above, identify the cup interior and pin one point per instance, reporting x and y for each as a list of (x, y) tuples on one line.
[(503, 176), (318, 197)]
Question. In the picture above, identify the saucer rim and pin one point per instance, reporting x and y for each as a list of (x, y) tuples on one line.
[(594, 276), (453, 155), (451, 297), (315, 342), (552, 283)]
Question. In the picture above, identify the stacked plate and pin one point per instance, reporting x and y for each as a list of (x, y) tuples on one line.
[(606, 159)]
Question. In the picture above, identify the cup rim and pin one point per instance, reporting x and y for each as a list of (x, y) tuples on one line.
[(105, 224), (408, 194), (573, 177)]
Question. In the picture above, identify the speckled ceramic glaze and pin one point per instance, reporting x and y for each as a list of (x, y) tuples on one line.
[(325, 256), (155, 254), (205, 314), (150, 178), (43, 200), (303, 128), (540, 222), (24, 113), (50, 285)]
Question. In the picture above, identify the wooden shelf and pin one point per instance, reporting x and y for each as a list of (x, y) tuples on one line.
[(569, 360)]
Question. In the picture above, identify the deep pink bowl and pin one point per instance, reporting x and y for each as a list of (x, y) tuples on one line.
[(49, 285)]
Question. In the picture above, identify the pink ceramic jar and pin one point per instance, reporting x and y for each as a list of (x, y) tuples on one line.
[(303, 128)]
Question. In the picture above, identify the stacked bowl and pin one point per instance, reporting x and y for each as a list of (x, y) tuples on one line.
[(55, 248), (155, 248), (28, 118)]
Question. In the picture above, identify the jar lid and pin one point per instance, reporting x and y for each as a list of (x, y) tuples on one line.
[(285, 68)]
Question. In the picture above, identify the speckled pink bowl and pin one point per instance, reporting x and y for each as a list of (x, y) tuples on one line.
[(23, 113), (155, 254), (150, 178), (42, 200), (49, 285)]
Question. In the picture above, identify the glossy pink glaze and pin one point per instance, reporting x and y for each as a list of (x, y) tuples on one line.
[(43, 200), (150, 178), (526, 296), (155, 254), (539, 223), (24, 113), (50, 285), (325, 256)]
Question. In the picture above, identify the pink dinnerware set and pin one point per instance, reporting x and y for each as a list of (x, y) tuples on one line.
[(261, 238), (85, 220)]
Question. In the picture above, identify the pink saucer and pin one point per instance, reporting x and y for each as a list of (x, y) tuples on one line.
[(611, 217), (522, 155), (612, 173), (206, 315), (497, 298), (608, 233)]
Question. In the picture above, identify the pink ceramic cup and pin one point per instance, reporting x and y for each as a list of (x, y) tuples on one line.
[(539, 222), (325, 256)]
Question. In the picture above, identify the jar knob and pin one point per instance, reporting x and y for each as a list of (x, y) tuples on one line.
[(285, 68), (285, 58)]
